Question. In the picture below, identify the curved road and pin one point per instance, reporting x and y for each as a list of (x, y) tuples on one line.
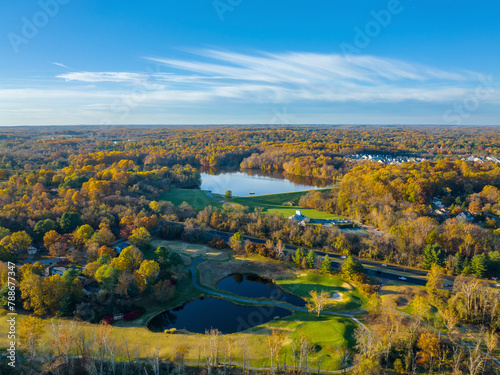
[(349, 315)]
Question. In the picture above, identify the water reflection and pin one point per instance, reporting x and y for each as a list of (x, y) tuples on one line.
[(205, 313), (255, 286), (258, 182)]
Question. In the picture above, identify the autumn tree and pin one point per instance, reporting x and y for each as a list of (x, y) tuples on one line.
[(429, 350), (140, 237), (104, 236), (434, 278), (32, 293), (83, 234), (129, 259), (31, 330), (107, 276), (150, 270), (53, 288), (318, 301), (236, 242), (17, 243)]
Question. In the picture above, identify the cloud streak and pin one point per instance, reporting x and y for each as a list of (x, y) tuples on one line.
[(293, 76), (227, 84)]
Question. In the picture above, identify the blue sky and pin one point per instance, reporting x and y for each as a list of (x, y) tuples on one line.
[(249, 62)]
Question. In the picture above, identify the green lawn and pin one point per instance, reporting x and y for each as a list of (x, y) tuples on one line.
[(352, 300), (272, 203), (196, 198)]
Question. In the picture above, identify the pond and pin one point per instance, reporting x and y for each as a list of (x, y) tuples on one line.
[(254, 286), (205, 313), (242, 184)]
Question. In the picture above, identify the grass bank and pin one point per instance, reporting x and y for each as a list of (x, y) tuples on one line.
[(196, 198), (282, 204)]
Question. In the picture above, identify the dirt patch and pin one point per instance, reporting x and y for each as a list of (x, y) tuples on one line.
[(399, 296), (191, 250), (212, 272)]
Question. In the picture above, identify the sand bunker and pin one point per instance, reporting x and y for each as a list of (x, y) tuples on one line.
[(336, 297)]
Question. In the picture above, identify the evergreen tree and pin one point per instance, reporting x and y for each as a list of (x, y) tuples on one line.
[(311, 259), (433, 255), (478, 265), (299, 254), (326, 266), (494, 263), (351, 267), (459, 260)]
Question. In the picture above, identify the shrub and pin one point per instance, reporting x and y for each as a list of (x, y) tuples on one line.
[(132, 315), (108, 319), (217, 243)]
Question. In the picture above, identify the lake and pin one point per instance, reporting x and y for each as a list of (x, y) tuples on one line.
[(205, 313), (254, 286), (242, 184)]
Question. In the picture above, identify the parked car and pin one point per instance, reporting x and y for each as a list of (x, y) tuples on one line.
[(402, 278), (497, 285), (384, 265)]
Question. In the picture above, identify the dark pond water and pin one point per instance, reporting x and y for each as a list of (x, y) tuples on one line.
[(205, 313), (242, 184), (254, 286)]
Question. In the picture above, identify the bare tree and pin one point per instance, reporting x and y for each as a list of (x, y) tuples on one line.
[(211, 357), (302, 349), (155, 361), (275, 344), (318, 301), (228, 352), (244, 354), (344, 356), (458, 355), (476, 360)]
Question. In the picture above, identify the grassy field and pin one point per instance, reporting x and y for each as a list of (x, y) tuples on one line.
[(196, 198), (272, 203), (307, 282), (324, 333)]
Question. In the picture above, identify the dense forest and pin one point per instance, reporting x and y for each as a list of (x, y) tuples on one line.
[(76, 193)]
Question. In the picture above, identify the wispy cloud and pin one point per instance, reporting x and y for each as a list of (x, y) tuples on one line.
[(60, 64), (227, 83), (294, 76)]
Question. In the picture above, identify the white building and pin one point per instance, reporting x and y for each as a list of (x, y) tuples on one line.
[(58, 270), (299, 218)]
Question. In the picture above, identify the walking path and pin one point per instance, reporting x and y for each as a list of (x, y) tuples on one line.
[(349, 315)]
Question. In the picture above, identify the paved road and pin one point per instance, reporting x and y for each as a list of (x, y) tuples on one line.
[(413, 276), (337, 261)]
